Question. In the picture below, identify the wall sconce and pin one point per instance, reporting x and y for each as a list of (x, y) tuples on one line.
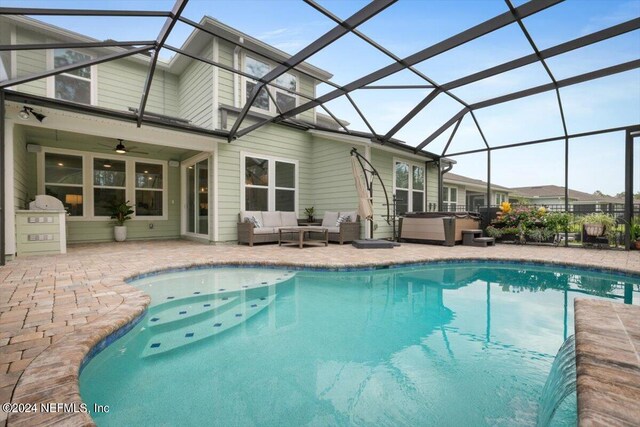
[(73, 199), (27, 111)]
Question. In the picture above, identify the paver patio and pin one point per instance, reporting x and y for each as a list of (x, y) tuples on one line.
[(53, 309)]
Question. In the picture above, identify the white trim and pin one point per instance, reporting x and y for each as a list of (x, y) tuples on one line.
[(236, 77), (215, 89), (87, 184), (9, 190), (449, 202), (410, 189), (191, 161), (273, 91), (14, 55), (93, 80), (271, 187), (216, 195)]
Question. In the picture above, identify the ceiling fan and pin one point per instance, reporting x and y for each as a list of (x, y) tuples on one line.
[(121, 149)]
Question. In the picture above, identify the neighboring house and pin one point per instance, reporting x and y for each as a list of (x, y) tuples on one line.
[(461, 193), (181, 174), (553, 196)]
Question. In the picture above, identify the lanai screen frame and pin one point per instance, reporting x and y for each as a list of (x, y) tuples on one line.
[(515, 15)]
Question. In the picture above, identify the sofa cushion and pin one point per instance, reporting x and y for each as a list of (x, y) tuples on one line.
[(329, 219), (271, 219), (248, 214), (289, 219), (351, 214), (265, 230)]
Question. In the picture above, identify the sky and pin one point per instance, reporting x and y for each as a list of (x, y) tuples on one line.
[(596, 163)]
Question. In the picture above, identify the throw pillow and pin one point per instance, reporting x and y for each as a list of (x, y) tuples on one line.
[(253, 220), (343, 218)]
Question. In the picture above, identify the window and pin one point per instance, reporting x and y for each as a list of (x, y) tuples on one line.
[(269, 184), (450, 199), (409, 187), (109, 185), (63, 180), (500, 198), (89, 186), (285, 98), (149, 189), (73, 85)]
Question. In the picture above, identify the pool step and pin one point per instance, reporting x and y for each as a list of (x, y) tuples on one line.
[(179, 313), (171, 340)]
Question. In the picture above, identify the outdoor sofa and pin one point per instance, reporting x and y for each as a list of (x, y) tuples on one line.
[(271, 222)]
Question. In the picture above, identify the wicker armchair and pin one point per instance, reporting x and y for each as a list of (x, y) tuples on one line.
[(346, 231)]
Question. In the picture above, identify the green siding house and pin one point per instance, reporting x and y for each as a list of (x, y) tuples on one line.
[(181, 174)]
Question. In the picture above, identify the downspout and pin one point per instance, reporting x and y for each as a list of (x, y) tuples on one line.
[(236, 77), (440, 180)]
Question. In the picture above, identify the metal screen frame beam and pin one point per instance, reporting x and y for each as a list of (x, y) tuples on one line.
[(603, 72), (592, 75), (71, 67), (541, 59), (544, 140), (171, 21), (432, 84), (72, 45), (358, 18), (463, 37), (82, 12), (574, 44)]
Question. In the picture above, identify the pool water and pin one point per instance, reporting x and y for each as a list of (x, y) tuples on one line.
[(464, 344)]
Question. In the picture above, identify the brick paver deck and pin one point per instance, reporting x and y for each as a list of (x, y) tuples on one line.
[(53, 309)]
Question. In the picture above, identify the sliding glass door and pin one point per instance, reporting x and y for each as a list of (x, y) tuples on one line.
[(197, 198)]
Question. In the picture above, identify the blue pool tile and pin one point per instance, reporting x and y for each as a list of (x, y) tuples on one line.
[(183, 312), (262, 299), (188, 335), (225, 298), (254, 305), (207, 305), (155, 345), (238, 314), (217, 325), (155, 319), (170, 297)]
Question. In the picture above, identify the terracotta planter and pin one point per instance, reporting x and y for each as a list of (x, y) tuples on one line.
[(638, 245)]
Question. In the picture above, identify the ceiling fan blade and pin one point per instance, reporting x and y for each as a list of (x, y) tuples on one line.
[(135, 151), (106, 145)]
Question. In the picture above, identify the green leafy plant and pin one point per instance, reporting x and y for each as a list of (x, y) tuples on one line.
[(603, 219), (121, 212), (494, 232), (310, 212), (540, 234), (635, 228)]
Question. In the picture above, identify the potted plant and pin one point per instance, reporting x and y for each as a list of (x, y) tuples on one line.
[(599, 224), (310, 212), (635, 231), (121, 212)]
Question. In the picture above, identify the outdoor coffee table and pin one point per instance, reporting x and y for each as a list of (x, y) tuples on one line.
[(303, 236)]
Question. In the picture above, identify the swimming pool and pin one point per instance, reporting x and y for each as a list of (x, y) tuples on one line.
[(443, 344)]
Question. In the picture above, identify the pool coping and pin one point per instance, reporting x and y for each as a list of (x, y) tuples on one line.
[(53, 376), (607, 363)]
